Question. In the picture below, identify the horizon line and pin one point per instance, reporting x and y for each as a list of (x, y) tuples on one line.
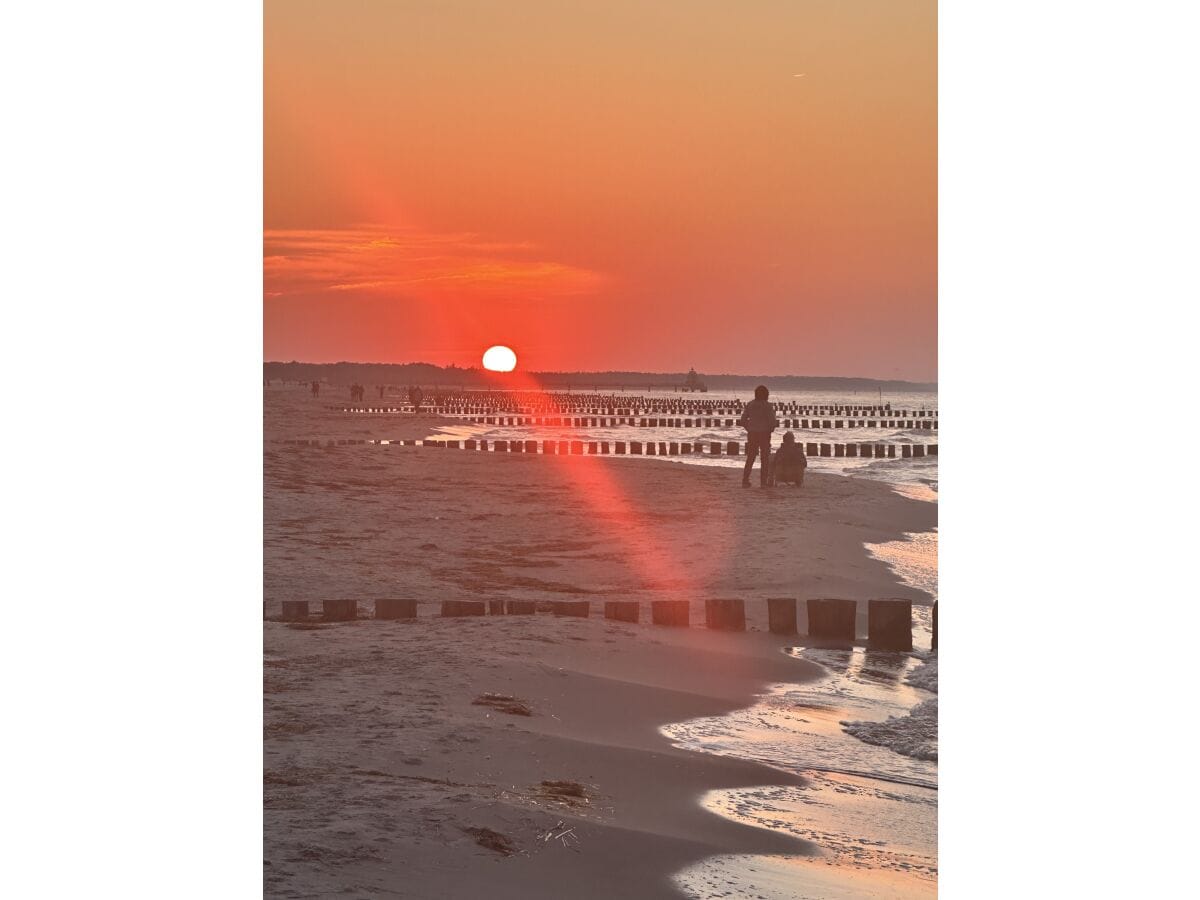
[(347, 362)]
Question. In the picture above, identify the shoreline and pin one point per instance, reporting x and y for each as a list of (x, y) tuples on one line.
[(376, 760), (596, 720)]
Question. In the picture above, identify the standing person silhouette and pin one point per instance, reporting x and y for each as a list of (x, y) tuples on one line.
[(758, 418)]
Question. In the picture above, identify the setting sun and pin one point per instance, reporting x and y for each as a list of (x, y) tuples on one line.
[(499, 359)]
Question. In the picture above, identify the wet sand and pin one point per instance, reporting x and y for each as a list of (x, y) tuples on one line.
[(382, 777)]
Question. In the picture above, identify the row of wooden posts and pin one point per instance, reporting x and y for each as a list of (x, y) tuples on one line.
[(832, 622), (635, 448), (549, 404), (639, 422), (607, 413)]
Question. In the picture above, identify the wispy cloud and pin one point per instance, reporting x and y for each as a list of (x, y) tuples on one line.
[(412, 263)]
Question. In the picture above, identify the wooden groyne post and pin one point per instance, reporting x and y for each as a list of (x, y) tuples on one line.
[(725, 615), (622, 610), (295, 610), (395, 608), (339, 610), (889, 624), (832, 620), (579, 608), (520, 607), (781, 615), (455, 608), (670, 612)]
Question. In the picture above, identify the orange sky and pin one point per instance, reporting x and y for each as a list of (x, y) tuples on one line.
[(604, 185)]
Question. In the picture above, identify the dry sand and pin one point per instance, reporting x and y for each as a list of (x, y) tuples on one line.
[(384, 778)]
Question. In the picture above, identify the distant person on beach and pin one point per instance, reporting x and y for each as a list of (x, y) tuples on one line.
[(414, 397), (758, 418), (381, 392), (789, 462), (316, 388)]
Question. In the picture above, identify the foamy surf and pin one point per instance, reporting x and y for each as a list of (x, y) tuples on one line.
[(872, 811)]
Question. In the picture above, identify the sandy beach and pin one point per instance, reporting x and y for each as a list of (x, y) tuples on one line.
[(388, 769)]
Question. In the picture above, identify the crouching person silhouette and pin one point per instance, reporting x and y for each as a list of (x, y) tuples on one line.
[(789, 462)]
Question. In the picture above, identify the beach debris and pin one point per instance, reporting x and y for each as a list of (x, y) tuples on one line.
[(503, 703), (491, 840), (562, 833), (568, 791)]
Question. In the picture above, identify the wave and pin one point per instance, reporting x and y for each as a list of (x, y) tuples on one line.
[(915, 734)]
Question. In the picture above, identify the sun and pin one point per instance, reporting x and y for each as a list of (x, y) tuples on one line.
[(499, 359)]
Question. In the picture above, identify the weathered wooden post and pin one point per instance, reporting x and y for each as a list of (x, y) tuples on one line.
[(714, 448), (520, 607), (635, 447), (577, 447), (725, 615), (395, 608), (495, 607), (832, 620), (469, 444), (781, 615), (918, 449), (622, 610), (933, 450), (889, 624), (499, 446), (906, 451), (733, 448), (826, 450), (811, 449), (579, 608), (852, 449), (933, 645), (339, 610), (593, 448), (620, 446), (455, 608), (891, 451), (295, 610), (670, 612)]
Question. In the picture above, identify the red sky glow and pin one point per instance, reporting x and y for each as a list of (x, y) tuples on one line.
[(603, 185)]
